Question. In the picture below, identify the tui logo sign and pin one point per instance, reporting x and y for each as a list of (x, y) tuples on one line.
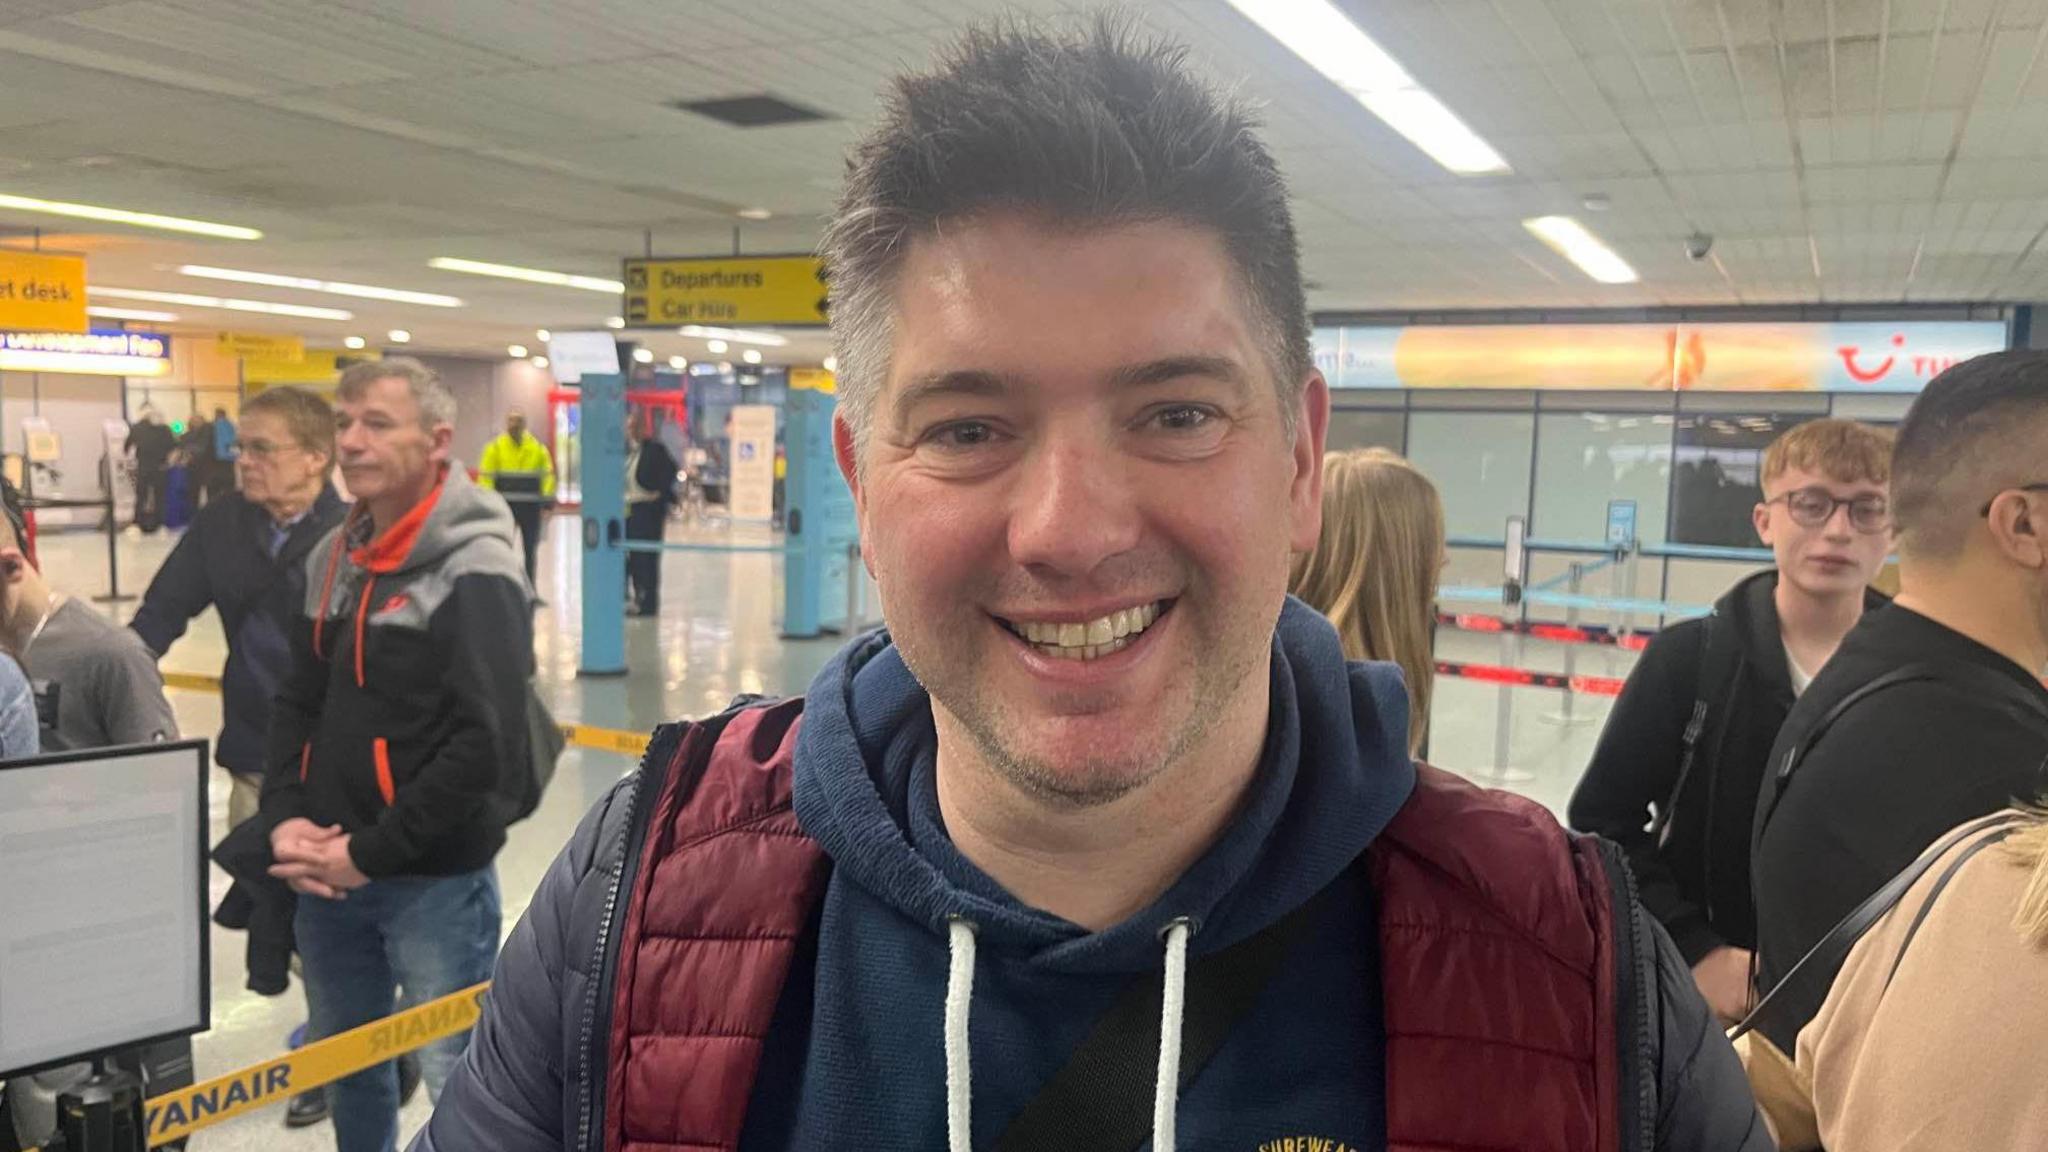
[(1867, 369)]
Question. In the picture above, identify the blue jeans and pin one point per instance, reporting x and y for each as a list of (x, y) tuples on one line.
[(391, 945)]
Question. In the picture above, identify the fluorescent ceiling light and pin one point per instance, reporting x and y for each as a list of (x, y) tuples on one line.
[(678, 363), (543, 335), (751, 356), (615, 322), (831, 363), (231, 305), (398, 336), (354, 342), (331, 287), (755, 214), (540, 361), (133, 314), (530, 275), (736, 335), (1571, 240), (643, 355), (516, 351), (717, 347), (1329, 42), (123, 216)]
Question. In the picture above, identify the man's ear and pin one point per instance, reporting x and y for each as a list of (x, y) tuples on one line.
[(846, 453), (1311, 426), (2019, 525)]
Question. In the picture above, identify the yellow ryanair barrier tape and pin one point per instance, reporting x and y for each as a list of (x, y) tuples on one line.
[(187, 1110), (608, 739), (581, 735)]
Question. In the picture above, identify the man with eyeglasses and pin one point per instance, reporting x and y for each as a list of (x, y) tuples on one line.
[(1675, 776), (1930, 715), (244, 555)]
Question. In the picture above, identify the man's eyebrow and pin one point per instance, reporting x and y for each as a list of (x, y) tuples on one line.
[(1167, 368), (961, 382), (982, 382)]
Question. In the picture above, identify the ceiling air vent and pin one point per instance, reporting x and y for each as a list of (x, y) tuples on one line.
[(751, 111)]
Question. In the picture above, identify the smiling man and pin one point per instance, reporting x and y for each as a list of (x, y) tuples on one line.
[(1101, 844)]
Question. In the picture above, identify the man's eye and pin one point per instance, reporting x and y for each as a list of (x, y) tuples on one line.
[(1183, 418), (965, 434)]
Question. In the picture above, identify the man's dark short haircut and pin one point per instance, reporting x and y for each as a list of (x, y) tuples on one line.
[(308, 416), (1978, 428), (1089, 129)]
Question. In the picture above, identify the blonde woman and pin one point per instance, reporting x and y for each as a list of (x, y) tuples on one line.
[(1932, 1035), (1374, 571)]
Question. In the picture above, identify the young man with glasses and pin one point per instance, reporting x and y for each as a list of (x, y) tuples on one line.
[(1674, 778), (1932, 712)]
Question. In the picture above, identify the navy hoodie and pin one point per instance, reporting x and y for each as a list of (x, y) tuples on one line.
[(855, 1057)]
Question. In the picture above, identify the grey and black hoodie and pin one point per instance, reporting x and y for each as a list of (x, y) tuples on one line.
[(403, 719)]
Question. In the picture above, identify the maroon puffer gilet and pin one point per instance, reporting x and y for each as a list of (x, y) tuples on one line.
[(1496, 941)]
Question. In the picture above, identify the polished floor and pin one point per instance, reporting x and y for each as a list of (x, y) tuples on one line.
[(718, 637)]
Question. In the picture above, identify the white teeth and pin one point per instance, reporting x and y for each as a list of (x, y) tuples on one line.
[(1100, 632), (1073, 635)]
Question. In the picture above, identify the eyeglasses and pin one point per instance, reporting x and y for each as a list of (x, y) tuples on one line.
[(2039, 487), (264, 449), (1813, 507)]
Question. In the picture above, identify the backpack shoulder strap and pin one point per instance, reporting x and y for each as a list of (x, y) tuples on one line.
[(1833, 949), (1720, 661), (1975, 679)]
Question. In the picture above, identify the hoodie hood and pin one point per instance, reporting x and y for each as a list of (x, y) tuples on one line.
[(1333, 772), (454, 515), (1751, 608)]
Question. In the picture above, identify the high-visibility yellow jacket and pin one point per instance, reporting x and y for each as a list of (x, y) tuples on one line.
[(528, 457)]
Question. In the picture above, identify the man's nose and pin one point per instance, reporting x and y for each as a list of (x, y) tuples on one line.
[(1075, 507)]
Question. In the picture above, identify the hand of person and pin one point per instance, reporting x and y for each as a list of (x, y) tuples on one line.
[(1723, 978), (299, 828), (317, 865)]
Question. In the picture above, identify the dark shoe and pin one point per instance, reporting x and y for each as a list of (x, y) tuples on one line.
[(408, 1078), (307, 1109)]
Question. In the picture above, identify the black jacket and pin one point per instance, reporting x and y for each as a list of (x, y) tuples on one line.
[(404, 720), (1890, 776), (224, 561), (1720, 688), (152, 444)]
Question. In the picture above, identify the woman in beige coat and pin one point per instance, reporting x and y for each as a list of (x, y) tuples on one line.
[(1950, 1054)]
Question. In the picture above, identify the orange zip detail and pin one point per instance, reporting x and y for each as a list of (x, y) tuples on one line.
[(305, 760), (380, 749)]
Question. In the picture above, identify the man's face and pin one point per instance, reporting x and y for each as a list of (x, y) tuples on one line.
[(273, 464), (1080, 431), (383, 447), (515, 426), (1829, 558)]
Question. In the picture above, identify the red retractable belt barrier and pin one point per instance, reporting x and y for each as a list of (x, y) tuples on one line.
[(1525, 678), (1556, 633)]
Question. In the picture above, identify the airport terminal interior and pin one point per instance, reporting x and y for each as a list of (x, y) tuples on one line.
[(1609, 252)]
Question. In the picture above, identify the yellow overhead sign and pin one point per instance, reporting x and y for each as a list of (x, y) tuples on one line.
[(42, 293), (258, 346), (725, 290)]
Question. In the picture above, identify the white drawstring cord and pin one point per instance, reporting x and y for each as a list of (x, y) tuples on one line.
[(959, 1076), (960, 997), (1166, 1091)]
